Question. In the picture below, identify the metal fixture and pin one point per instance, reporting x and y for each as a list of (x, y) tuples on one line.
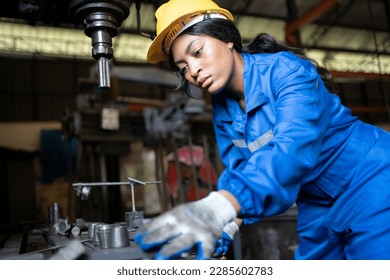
[(84, 189), (134, 218)]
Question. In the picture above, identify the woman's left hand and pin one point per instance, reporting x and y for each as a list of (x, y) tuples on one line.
[(191, 225)]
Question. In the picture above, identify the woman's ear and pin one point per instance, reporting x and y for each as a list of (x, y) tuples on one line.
[(230, 45)]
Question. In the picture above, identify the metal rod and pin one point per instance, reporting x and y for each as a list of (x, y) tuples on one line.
[(132, 196), (97, 184), (104, 73)]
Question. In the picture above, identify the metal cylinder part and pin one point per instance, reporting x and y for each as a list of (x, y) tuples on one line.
[(92, 233), (104, 73), (120, 236), (104, 233), (75, 230), (54, 213)]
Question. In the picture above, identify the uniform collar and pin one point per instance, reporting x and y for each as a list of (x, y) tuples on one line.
[(254, 96)]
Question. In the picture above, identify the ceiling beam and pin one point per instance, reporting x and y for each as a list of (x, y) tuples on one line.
[(359, 75), (345, 50), (368, 109), (306, 18)]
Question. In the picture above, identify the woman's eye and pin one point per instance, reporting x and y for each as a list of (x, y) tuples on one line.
[(183, 70), (198, 52)]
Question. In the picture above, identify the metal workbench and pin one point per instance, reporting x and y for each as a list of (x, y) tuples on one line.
[(35, 244)]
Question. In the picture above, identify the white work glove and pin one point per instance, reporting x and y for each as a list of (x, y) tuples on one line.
[(224, 241), (195, 224)]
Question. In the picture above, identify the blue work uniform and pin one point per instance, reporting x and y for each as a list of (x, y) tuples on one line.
[(296, 143)]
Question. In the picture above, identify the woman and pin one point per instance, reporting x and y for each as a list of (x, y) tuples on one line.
[(284, 138)]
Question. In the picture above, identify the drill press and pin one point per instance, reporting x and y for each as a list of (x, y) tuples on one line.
[(101, 20)]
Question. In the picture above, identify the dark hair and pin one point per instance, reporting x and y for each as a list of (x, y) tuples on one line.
[(226, 31)]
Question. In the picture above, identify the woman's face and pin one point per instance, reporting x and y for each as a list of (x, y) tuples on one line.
[(204, 61)]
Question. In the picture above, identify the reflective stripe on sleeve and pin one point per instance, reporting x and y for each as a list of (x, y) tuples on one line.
[(255, 145)]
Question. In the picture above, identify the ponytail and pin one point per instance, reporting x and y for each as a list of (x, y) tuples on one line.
[(265, 43)]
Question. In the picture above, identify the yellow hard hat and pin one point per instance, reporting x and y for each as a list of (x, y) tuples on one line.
[(175, 16)]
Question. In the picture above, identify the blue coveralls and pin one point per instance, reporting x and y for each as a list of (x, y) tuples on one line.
[(297, 143)]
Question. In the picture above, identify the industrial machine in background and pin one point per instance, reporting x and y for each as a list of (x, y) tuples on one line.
[(101, 20)]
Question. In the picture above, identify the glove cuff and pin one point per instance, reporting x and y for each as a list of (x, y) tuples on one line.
[(231, 229), (222, 207)]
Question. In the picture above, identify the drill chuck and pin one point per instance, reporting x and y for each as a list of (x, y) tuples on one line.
[(101, 21)]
